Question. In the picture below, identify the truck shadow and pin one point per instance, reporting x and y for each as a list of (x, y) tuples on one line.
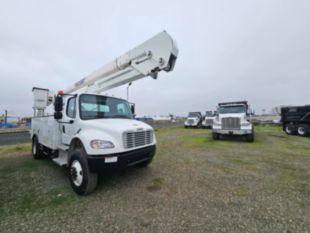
[(233, 138)]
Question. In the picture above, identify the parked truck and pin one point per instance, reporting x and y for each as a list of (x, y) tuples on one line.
[(89, 132), (233, 119), (208, 119), (193, 120), (296, 120)]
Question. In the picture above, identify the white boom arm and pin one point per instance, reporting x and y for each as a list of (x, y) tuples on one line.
[(156, 54)]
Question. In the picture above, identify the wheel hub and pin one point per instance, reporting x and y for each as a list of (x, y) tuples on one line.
[(76, 172)]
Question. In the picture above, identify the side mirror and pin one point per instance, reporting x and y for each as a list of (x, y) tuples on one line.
[(58, 107), (132, 108)]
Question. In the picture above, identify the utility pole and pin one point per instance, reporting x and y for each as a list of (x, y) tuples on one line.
[(129, 84), (5, 117)]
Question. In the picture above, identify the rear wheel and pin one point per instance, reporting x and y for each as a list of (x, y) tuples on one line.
[(81, 179), (37, 152), (215, 136), (303, 130), (290, 129)]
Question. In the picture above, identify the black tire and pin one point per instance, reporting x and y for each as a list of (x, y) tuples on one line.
[(290, 129), (250, 137), (185, 127), (81, 179), (303, 130), (37, 152), (215, 136)]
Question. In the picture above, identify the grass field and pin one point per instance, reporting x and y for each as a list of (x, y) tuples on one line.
[(195, 184)]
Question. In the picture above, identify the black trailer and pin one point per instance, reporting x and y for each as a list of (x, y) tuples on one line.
[(296, 120)]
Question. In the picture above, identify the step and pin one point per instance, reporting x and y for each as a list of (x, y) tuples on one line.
[(61, 161), (63, 147)]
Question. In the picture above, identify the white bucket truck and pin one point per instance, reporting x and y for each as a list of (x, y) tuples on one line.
[(89, 132), (233, 119)]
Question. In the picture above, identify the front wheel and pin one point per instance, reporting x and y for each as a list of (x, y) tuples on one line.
[(82, 180), (250, 137), (215, 136)]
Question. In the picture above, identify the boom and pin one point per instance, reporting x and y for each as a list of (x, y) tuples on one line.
[(148, 59)]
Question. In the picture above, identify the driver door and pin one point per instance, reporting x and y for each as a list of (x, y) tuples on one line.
[(68, 128)]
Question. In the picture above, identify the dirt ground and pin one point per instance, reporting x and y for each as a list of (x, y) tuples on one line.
[(195, 184)]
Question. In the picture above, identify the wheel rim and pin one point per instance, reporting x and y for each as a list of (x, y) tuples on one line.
[(34, 148), (301, 130), (76, 173), (288, 130)]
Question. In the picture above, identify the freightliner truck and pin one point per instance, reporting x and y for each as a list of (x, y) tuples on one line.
[(233, 119), (296, 120), (193, 120), (208, 119), (89, 132)]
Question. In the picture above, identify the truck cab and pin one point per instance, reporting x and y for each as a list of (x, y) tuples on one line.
[(194, 120), (208, 119), (233, 119)]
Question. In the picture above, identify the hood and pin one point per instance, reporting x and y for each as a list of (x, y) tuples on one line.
[(238, 115), (192, 118), (117, 125)]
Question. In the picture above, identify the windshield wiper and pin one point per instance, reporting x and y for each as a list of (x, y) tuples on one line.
[(120, 116)]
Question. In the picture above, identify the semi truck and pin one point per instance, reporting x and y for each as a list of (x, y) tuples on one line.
[(208, 119), (233, 118), (193, 120), (296, 120), (89, 132)]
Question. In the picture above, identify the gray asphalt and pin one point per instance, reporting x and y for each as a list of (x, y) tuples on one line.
[(14, 138)]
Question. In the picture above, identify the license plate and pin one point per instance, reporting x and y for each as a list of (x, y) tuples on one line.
[(110, 159)]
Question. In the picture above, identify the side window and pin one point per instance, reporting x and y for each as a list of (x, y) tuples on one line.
[(121, 109), (71, 108)]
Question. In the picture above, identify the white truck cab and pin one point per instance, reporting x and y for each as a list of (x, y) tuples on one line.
[(89, 132), (208, 119), (193, 120), (233, 119)]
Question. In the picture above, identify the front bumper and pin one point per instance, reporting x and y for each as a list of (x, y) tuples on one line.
[(191, 124), (97, 163), (232, 131)]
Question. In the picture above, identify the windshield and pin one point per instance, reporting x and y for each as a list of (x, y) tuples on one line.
[(232, 109), (193, 114), (94, 107), (209, 113)]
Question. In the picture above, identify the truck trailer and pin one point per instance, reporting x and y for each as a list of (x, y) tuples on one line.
[(296, 120), (89, 132)]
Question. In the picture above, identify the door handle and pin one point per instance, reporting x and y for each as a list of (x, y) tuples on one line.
[(63, 129)]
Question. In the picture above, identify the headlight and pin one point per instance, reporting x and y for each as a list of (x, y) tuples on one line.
[(246, 123), (216, 123), (101, 144)]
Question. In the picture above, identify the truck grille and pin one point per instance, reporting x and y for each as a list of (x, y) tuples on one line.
[(134, 139), (231, 123), (190, 121), (209, 121)]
